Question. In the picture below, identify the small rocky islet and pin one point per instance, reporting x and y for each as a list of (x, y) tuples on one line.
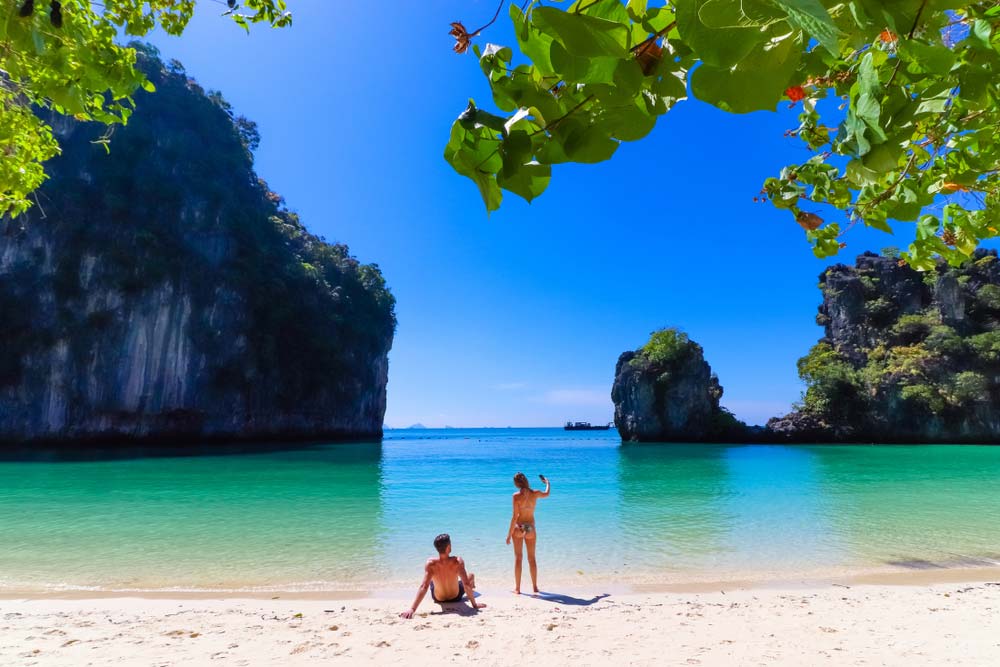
[(906, 356)]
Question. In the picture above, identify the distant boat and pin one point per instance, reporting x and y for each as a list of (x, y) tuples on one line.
[(585, 426)]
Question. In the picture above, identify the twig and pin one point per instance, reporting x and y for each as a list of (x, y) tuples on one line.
[(563, 117), (580, 8), (492, 20), (913, 29), (899, 61), (885, 194), (916, 20), (649, 40)]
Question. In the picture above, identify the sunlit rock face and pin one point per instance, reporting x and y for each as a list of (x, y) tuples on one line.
[(162, 292), (670, 398)]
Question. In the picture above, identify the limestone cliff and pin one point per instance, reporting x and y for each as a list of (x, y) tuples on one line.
[(906, 356), (666, 391), (162, 292)]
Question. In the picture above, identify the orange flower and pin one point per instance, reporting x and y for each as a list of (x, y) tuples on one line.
[(888, 37), (795, 93)]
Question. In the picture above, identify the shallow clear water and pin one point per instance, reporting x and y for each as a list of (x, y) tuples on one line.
[(350, 516)]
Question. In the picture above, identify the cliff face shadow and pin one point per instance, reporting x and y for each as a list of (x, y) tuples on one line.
[(562, 598)]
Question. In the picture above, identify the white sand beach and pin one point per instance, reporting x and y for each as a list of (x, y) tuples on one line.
[(833, 624)]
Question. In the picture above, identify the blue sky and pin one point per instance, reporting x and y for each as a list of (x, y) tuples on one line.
[(518, 318)]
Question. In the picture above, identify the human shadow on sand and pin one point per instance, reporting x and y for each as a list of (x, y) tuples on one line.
[(462, 608), (561, 598)]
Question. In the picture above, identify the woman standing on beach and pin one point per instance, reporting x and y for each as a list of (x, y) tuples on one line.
[(522, 527)]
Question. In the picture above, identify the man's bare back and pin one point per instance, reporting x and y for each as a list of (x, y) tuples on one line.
[(445, 574), (446, 578)]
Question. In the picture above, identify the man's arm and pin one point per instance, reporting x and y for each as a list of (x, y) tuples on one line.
[(545, 493), (421, 592), (470, 588)]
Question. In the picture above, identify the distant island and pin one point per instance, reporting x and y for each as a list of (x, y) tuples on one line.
[(906, 357)]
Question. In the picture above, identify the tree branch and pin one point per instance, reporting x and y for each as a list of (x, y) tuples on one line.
[(913, 29), (885, 194), (641, 47), (580, 8), (916, 19), (492, 20), (563, 117)]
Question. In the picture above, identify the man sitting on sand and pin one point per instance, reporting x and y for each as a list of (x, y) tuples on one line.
[(446, 577)]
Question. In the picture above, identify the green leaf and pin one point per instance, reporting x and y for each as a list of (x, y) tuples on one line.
[(582, 35), (626, 121), (583, 69), (811, 17), (909, 202), (883, 158), (612, 10), (980, 33), (723, 43), (515, 150), (876, 218), (38, 41), (628, 76), (533, 43), (756, 83), (860, 175), (588, 144), (473, 117), (868, 81), (528, 182), (933, 59)]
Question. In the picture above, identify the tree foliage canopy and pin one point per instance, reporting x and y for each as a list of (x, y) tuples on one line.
[(915, 138), (64, 57)]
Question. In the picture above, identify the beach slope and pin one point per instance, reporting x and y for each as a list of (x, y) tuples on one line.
[(955, 624)]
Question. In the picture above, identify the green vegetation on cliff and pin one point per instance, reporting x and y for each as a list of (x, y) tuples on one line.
[(907, 356), (667, 347)]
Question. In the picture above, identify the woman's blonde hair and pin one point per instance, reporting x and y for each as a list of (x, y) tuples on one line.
[(521, 481)]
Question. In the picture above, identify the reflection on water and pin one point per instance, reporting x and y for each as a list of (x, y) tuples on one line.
[(193, 521), (913, 505), (363, 515)]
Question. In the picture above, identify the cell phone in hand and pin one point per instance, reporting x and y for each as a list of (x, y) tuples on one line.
[(541, 477)]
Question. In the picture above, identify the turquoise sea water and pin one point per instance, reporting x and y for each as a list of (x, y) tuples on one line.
[(362, 516)]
